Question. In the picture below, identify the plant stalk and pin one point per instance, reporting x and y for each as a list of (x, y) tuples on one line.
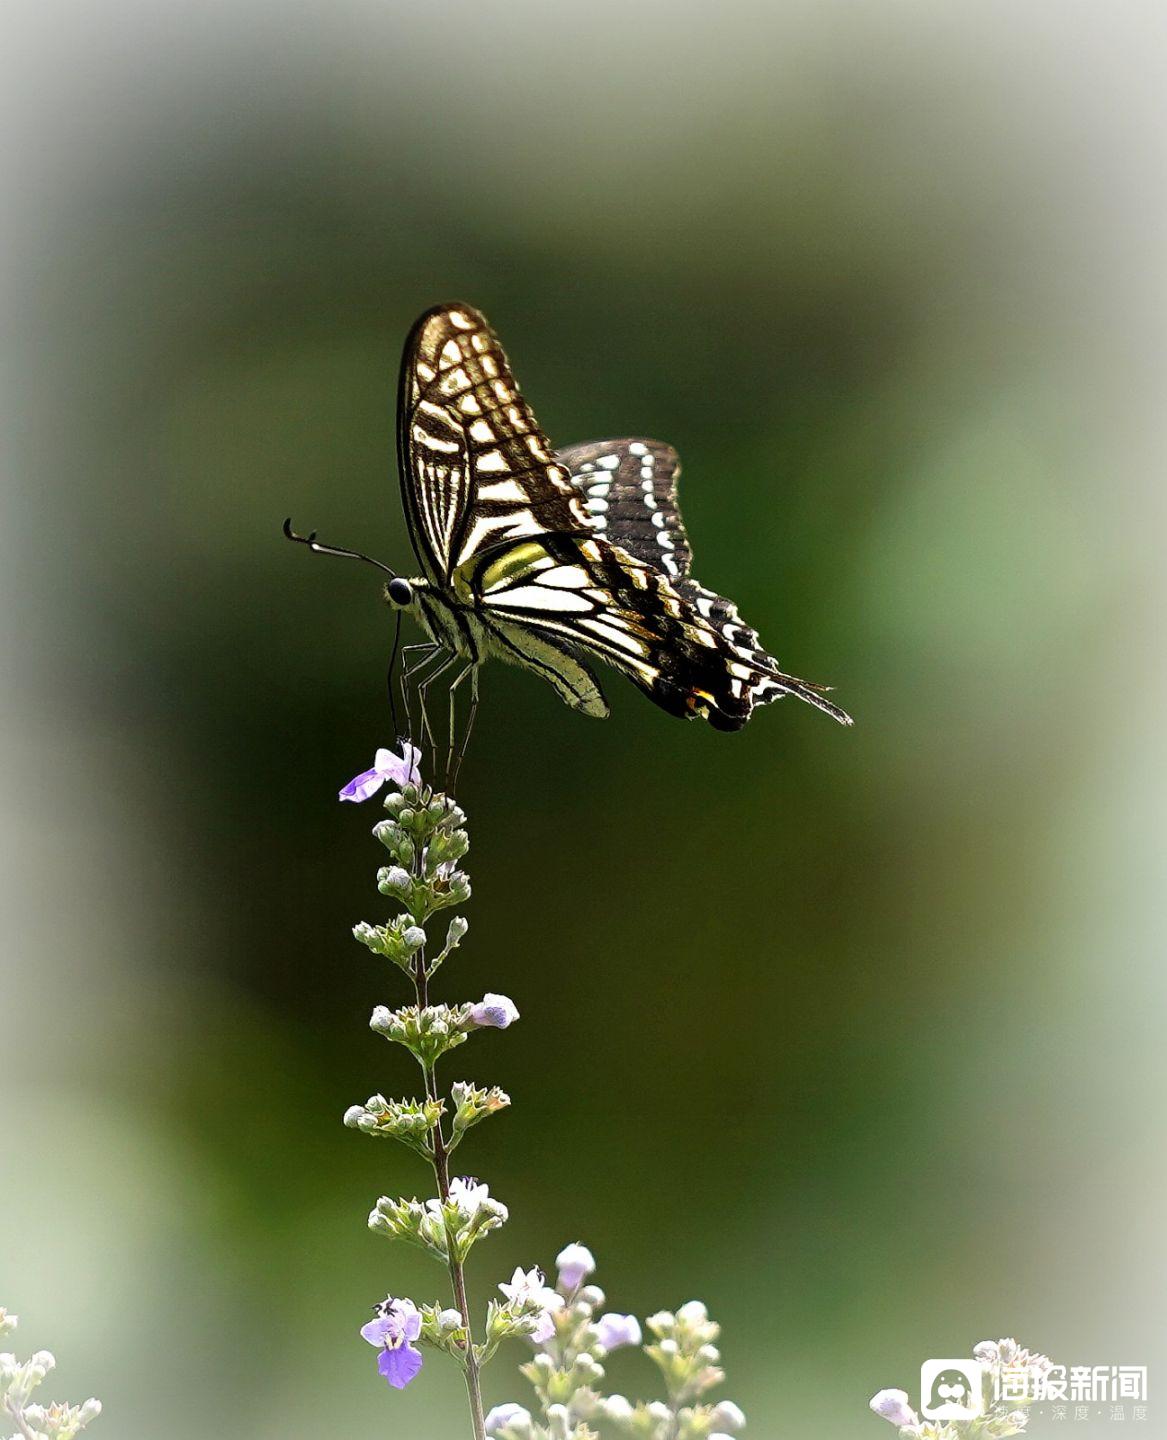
[(442, 1175)]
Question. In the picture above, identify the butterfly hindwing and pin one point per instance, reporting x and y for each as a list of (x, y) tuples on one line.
[(476, 470), (630, 494), (630, 491), (574, 683)]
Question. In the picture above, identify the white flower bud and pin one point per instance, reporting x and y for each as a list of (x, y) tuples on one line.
[(585, 1403), (559, 1424), (617, 1408), (693, 1312), (727, 1416)]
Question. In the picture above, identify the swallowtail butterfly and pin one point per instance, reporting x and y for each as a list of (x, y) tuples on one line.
[(550, 559)]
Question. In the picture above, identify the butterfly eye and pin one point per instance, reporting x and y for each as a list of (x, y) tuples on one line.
[(400, 592)]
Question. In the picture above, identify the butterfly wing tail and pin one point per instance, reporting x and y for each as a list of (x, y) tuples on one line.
[(767, 680), (773, 684)]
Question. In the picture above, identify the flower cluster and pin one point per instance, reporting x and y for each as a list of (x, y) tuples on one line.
[(425, 836), (565, 1325), (568, 1371), (18, 1381), (1004, 1363), (998, 1416), (448, 1226)]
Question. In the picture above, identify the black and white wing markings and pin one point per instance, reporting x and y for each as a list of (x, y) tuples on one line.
[(476, 470), (630, 493), (586, 597), (630, 490)]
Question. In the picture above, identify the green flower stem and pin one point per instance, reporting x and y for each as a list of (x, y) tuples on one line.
[(21, 1423), (442, 1175)]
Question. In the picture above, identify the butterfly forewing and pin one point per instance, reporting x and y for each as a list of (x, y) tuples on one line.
[(477, 473)]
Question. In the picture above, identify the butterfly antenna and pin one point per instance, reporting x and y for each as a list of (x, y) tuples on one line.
[(319, 549)]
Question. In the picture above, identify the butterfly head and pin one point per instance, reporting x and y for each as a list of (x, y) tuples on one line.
[(399, 593)]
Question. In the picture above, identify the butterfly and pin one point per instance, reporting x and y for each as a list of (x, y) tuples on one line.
[(551, 560)]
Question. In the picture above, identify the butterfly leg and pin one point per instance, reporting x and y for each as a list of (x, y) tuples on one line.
[(450, 658), (451, 773), (469, 725), (412, 665)]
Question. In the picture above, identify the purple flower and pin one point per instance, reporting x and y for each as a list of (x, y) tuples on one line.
[(893, 1405), (614, 1330), (497, 1011), (394, 1328), (574, 1263), (400, 769)]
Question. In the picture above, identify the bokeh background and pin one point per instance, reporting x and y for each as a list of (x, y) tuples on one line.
[(857, 1036)]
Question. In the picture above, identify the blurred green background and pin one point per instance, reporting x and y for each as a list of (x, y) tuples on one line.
[(856, 1036)]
